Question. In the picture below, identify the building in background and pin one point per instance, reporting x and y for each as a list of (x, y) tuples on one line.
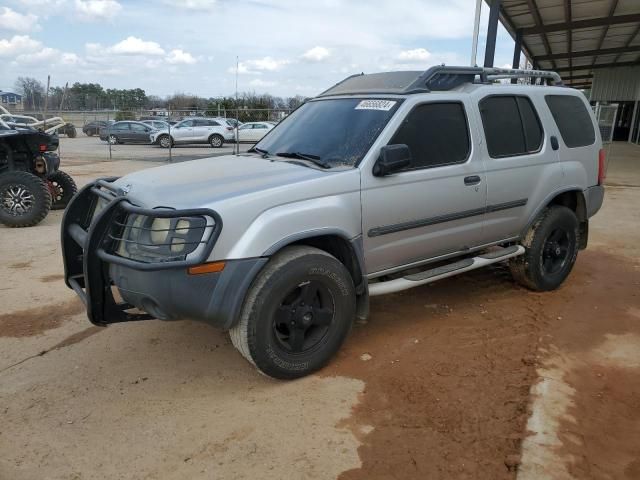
[(11, 101)]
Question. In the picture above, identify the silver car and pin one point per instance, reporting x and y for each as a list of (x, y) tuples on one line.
[(382, 183), (213, 131)]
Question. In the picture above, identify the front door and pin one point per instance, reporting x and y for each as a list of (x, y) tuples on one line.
[(436, 206), (183, 131)]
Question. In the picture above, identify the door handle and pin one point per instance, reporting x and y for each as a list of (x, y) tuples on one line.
[(554, 142), (472, 180)]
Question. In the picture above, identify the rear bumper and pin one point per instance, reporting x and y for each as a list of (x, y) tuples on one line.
[(162, 290), (594, 196)]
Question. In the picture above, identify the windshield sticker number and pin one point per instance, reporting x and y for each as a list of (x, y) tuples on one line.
[(384, 105)]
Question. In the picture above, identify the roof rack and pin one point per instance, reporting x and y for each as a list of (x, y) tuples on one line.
[(438, 78)]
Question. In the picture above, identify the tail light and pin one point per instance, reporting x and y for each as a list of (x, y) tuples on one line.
[(602, 166), (42, 148)]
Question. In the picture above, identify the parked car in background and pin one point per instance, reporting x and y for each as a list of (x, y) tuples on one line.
[(156, 124), (93, 128), (253, 131), (213, 131), (126, 132), (231, 121)]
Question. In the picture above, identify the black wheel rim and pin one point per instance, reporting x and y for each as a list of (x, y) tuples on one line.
[(304, 317), (17, 199), (555, 252)]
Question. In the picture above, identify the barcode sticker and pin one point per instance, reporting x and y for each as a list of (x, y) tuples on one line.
[(384, 105)]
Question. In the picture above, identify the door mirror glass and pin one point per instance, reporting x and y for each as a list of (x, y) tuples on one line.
[(393, 158)]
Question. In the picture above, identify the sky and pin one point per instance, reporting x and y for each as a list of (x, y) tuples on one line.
[(284, 47)]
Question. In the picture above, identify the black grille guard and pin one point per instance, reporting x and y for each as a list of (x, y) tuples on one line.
[(87, 248)]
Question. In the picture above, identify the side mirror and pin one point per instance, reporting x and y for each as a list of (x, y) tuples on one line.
[(393, 158)]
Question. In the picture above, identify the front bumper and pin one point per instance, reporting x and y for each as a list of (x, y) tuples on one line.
[(163, 290)]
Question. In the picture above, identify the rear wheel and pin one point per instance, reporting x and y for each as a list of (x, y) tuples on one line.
[(63, 188), (71, 131), (24, 199), (297, 313), (89, 133), (216, 141), (551, 249), (113, 140)]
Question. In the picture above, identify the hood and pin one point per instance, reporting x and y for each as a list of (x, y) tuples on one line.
[(207, 181)]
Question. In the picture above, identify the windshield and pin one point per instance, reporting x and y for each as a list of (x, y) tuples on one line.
[(337, 132)]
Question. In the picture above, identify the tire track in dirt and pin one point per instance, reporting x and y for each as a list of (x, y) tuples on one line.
[(37, 320)]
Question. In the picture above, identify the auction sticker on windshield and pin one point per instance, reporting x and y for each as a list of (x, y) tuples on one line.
[(384, 105)]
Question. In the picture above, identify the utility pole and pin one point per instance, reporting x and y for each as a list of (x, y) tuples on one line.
[(237, 145), (46, 102), (476, 31)]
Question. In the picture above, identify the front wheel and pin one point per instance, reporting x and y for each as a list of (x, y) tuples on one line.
[(24, 199), (551, 249), (63, 188), (297, 313), (165, 141), (113, 140), (216, 141)]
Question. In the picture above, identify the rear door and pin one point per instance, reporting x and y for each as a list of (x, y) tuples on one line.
[(139, 133), (123, 131), (522, 166), (436, 206), (259, 131)]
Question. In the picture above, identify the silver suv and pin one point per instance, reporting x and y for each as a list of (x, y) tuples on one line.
[(382, 183), (214, 131)]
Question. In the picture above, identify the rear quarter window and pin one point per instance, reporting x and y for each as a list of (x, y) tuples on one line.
[(573, 120)]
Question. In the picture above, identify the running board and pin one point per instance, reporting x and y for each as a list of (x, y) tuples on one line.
[(449, 270)]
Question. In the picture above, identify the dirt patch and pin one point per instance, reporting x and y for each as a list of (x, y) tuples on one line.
[(447, 383), (52, 278), (20, 265), (34, 321)]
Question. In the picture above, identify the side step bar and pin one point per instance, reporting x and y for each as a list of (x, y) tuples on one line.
[(449, 270)]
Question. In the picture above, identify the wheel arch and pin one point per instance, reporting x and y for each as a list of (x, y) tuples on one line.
[(572, 198), (350, 252)]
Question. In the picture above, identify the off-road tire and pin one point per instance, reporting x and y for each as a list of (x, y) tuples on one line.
[(71, 132), (63, 188), (162, 141), (254, 334), (527, 269), (216, 141), (37, 187)]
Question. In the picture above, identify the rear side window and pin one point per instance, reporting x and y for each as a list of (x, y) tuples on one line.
[(573, 120), (511, 126), (436, 133)]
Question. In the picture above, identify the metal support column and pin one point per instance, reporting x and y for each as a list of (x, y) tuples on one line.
[(517, 49), (492, 32)]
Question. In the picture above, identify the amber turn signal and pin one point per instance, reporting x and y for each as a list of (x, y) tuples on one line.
[(206, 268)]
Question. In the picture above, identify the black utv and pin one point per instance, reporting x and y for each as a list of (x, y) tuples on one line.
[(31, 183)]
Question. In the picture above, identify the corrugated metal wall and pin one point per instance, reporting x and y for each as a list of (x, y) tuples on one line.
[(616, 84)]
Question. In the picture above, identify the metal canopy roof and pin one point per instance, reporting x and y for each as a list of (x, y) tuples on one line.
[(575, 37)]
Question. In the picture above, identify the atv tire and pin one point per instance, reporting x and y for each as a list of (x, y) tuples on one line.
[(25, 199), (63, 188)]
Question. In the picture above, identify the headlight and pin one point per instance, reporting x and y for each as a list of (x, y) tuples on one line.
[(159, 239)]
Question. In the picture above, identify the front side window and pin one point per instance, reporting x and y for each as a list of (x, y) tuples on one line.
[(337, 132), (436, 133), (573, 120), (511, 126)]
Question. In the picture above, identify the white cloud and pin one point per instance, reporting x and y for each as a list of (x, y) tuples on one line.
[(96, 10), (418, 55), (46, 54), (202, 5), (316, 54), (256, 82), (177, 56), (18, 44), (135, 46), (12, 20), (257, 66)]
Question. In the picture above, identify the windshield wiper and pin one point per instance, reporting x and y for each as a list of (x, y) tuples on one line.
[(315, 159), (262, 152)]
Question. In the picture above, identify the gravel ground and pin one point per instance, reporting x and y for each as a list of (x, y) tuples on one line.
[(443, 381)]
